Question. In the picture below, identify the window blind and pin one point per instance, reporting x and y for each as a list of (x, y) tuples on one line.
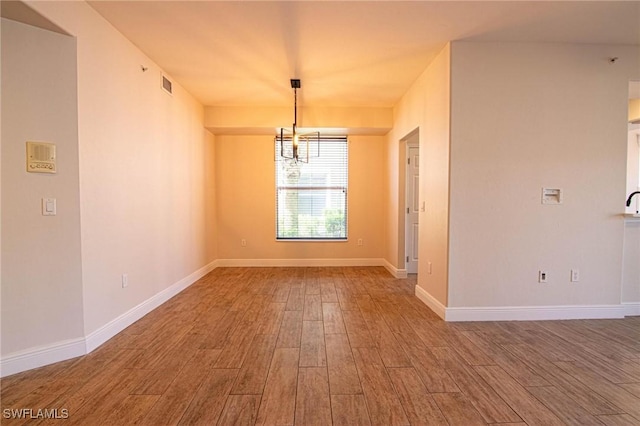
[(311, 198)]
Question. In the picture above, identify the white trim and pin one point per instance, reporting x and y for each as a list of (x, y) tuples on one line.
[(431, 302), (527, 313), (397, 273), (42, 355), (60, 351), (300, 262), (631, 309), (414, 136), (534, 313), (115, 326)]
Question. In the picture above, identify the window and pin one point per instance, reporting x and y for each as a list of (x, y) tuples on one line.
[(311, 198)]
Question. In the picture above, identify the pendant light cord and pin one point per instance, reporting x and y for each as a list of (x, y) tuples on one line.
[(295, 110)]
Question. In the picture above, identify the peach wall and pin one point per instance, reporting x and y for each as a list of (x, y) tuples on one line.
[(527, 116), (246, 202), (434, 180), (408, 116), (41, 259), (424, 107), (145, 160)]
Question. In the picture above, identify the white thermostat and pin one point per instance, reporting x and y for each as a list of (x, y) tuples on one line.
[(41, 157)]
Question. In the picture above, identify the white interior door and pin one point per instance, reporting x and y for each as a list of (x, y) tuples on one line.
[(412, 209)]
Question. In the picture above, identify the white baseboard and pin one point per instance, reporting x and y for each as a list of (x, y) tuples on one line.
[(398, 273), (534, 313), (299, 262), (107, 331), (431, 302), (526, 313), (284, 263), (631, 309), (60, 351), (40, 356)]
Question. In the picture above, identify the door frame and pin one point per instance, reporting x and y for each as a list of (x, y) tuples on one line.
[(412, 139)]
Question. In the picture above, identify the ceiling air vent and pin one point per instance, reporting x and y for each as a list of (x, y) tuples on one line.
[(167, 85)]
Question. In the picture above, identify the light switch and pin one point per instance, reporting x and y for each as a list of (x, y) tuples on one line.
[(551, 196), (48, 207)]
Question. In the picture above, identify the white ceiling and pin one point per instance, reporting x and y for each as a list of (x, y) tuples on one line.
[(347, 53)]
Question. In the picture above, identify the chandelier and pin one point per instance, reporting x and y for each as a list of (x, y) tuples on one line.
[(293, 145)]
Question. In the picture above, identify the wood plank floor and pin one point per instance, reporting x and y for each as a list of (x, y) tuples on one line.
[(347, 346)]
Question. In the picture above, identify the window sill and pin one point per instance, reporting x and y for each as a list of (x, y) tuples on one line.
[(312, 240)]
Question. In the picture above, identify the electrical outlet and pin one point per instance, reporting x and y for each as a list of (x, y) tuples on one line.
[(575, 275), (429, 269), (542, 276), (359, 241), (125, 280), (243, 242)]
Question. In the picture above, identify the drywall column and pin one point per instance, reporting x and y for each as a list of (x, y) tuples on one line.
[(425, 107), (41, 258), (527, 116)]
